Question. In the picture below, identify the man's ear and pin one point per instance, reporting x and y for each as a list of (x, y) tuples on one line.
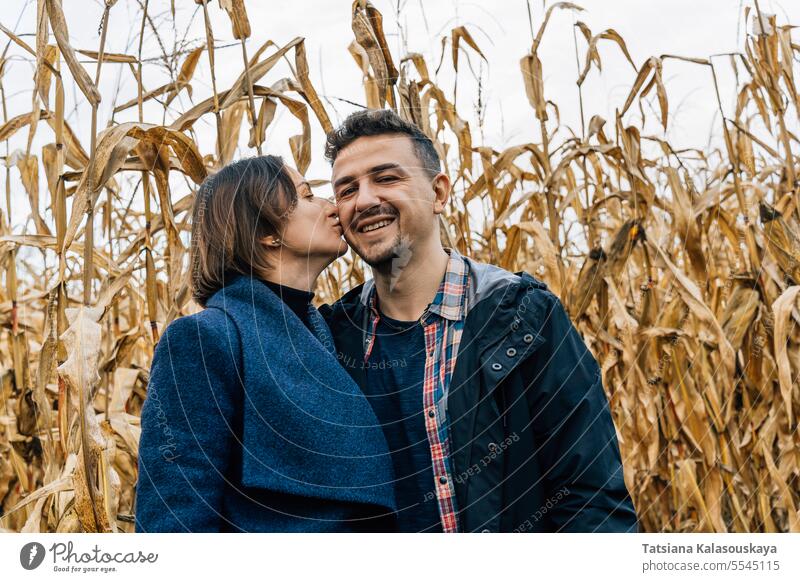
[(441, 192)]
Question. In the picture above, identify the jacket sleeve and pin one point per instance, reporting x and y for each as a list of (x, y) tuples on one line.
[(577, 445), (188, 426)]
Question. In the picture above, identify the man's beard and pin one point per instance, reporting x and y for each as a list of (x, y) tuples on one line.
[(393, 261), (382, 259)]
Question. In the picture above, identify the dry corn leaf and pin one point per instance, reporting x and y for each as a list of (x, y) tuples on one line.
[(782, 315), (59, 27)]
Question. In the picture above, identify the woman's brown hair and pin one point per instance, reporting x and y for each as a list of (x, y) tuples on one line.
[(234, 210)]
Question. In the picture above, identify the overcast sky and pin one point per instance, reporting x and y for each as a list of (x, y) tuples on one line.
[(690, 28)]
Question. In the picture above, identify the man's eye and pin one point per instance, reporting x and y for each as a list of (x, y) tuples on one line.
[(386, 179), (346, 192)]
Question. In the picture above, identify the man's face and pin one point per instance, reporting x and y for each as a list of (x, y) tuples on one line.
[(386, 200)]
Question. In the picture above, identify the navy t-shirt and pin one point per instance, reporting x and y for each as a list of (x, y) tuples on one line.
[(395, 375)]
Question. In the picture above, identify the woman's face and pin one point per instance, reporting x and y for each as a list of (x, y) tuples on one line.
[(312, 229)]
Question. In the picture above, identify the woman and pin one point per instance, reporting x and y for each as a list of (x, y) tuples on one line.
[(250, 423)]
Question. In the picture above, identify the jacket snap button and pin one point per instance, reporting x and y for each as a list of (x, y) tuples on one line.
[(515, 326), (431, 413), (496, 367), (511, 352), (442, 479), (485, 531), (492, 447), (528, 338)]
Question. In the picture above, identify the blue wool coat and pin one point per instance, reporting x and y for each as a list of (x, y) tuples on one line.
[(251, 424)]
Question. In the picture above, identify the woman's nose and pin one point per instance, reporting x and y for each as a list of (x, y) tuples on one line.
[(331, 210)]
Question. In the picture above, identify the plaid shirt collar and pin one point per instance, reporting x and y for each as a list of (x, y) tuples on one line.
[(450, 301)]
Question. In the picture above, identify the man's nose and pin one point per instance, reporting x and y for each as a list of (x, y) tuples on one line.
[(366, 197)]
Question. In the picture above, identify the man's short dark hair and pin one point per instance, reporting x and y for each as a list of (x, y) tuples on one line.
[(369, 122)]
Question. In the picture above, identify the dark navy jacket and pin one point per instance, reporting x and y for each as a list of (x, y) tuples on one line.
[(533, 444), (251, 424)]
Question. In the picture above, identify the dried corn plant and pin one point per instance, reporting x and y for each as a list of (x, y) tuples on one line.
[(685, 285)]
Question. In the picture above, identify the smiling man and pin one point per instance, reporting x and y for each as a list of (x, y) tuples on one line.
[(492, 406)]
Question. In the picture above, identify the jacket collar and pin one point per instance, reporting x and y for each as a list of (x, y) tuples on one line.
[(500, 291), (503, 302)]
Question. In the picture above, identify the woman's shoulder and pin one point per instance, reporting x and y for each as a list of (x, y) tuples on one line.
[(210, 330)]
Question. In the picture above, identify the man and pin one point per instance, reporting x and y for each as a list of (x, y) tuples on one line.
[(492, 405)]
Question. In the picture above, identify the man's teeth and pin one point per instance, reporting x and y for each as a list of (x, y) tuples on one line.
[(380, 224)]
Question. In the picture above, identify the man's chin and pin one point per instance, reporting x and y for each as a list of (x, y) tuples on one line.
[(376, 255), (378, 260)]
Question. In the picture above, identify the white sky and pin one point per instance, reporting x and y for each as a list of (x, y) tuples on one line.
[(501, 28)]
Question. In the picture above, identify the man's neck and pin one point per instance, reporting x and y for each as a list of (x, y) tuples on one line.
[(405, 293)]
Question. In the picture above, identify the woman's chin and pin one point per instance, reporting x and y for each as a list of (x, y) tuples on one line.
[(341, 250), (334, 250)]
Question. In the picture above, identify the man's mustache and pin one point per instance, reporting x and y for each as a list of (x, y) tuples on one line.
[(383, 209)]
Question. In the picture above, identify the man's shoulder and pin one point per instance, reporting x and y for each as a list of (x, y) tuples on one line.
[(489, 281), (346, 304)]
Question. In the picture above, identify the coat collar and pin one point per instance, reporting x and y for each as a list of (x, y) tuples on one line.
[(308, 429), (255, 294)]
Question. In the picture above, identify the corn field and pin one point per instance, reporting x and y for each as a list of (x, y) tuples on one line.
[(680, 268)]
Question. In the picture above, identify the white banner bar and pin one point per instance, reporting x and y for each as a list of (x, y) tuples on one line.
[(402, 557)]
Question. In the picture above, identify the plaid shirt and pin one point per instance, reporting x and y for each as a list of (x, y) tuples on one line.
[(443, 323)]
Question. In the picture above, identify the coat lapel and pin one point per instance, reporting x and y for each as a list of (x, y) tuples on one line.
[(307, 427)]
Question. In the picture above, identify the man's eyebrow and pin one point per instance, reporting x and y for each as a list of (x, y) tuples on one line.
[(343, 180), (382, 167), (372, 170)]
